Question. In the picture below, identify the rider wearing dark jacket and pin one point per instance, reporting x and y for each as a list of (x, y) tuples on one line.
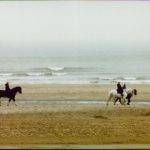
[(119, 89), (7, 89)]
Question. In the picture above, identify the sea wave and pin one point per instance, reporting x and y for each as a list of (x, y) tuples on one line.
[(130, 78), (6, 74), (41, 69), (20, 74), (63, 72), (31, 74), (35, 74), (141, 78), (69, 75), (62, 69), (59, 74), (56, 68), (28, 74), (75, 69), (107, 79)]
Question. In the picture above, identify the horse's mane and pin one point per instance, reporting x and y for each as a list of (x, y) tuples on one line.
[(16, 87)]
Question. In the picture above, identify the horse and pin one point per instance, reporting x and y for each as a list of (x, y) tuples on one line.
[(127, 94), (10, 94), (130, 93)]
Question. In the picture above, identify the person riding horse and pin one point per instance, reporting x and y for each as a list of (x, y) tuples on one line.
[(119, 89), (10, 93), (7, 88), (129, 93)]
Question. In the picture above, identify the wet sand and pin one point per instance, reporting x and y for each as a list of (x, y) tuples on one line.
[(45, 106), (76, 92)]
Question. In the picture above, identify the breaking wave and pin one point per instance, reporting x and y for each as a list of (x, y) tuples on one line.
[(68, 75)]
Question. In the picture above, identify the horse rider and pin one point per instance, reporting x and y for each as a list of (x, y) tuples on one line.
[(7, 88), (119, 89)]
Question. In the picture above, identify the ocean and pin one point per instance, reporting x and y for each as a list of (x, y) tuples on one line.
[(103, 69)]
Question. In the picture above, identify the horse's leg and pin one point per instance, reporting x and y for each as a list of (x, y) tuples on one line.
[(14, 101), (8, 101), (108, 99), (120, 100), (123, 101), (116, 100), (129, 100)]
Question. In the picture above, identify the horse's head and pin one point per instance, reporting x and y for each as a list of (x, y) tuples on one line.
[(19, 89), (134, 91)]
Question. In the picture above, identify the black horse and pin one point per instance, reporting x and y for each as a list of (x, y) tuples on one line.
[(10, 94)]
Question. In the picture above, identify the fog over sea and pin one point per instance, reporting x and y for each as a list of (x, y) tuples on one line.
[(74, 42), (98, 69)]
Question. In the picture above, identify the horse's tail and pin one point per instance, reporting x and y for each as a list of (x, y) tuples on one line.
[(110, 95)]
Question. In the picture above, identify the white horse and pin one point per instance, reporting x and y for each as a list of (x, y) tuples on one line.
[(127, 94)]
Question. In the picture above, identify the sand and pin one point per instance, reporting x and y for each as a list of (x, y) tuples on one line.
[(76, 92), (79, 126), (75, 125)]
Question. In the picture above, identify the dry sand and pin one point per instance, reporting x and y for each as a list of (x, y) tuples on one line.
[(79, 125)]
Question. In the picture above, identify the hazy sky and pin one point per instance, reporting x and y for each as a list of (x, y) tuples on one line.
[(73, 27)]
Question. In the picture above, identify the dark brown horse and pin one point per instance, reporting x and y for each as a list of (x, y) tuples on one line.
[(10, 94)]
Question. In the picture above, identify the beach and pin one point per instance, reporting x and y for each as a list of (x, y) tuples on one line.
[(67, 56), (76, 91), (73, 124)]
